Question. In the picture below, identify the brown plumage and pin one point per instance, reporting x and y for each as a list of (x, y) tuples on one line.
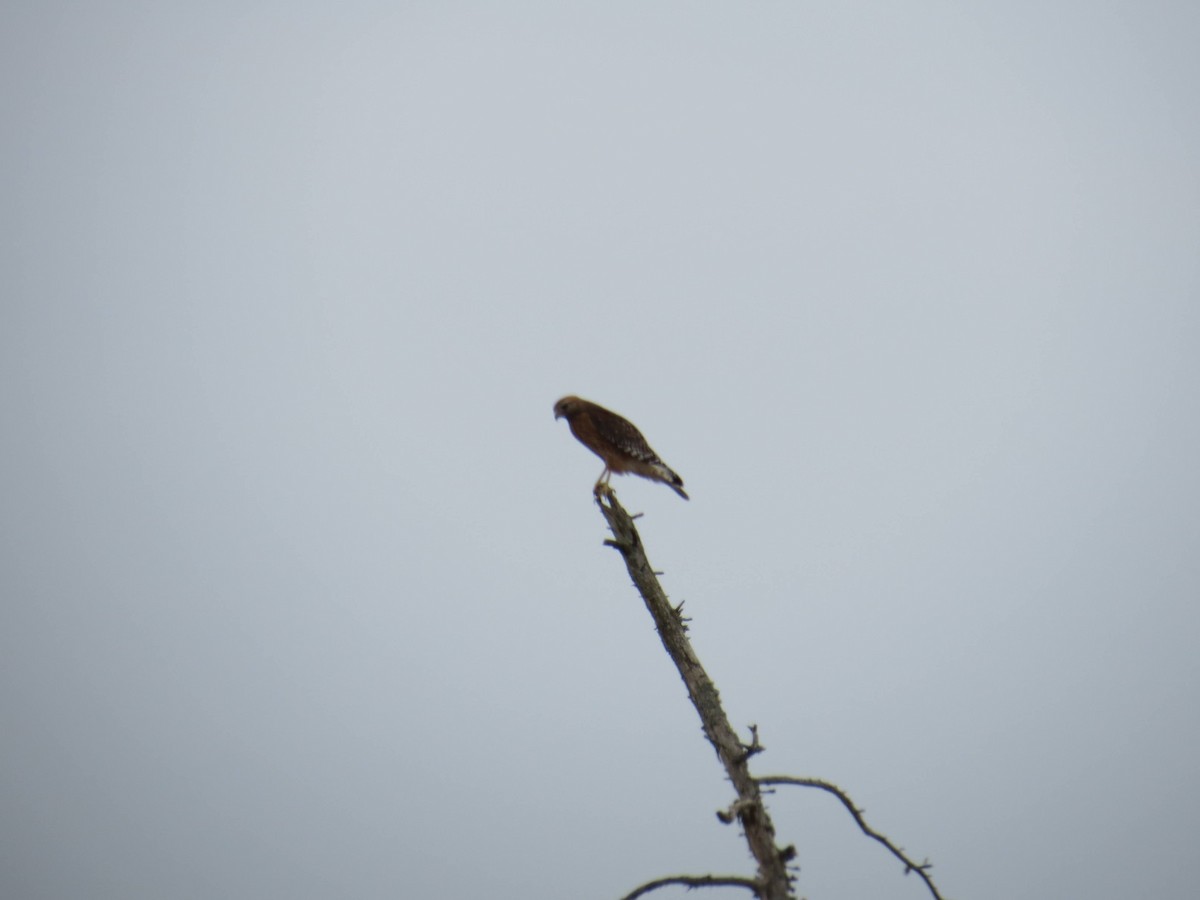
[(616, 441)]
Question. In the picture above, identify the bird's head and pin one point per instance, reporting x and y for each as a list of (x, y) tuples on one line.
[(566, 407)]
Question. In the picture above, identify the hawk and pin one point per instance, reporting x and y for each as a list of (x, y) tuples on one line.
[(616, 441)]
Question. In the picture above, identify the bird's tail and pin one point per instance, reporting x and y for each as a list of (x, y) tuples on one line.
[(671, 480)]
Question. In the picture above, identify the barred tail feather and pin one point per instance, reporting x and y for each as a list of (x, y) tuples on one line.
[(670, 479)]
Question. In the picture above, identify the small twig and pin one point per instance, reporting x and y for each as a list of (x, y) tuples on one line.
[(909, 866), (754, 746), (735, 809), (694, 881)]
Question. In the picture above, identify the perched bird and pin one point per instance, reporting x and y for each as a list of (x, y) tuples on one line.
[(616, 441)]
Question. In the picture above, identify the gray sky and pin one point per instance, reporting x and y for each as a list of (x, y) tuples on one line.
[(303, 589)]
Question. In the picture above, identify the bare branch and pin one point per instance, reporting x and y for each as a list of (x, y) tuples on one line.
[(909, 866), (774, 882), (694, 881)]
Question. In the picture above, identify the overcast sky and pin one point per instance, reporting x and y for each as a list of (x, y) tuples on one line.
[(303, 591)]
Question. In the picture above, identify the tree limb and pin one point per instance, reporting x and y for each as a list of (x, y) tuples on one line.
[(773, 881), (909, 866), (693, 881)]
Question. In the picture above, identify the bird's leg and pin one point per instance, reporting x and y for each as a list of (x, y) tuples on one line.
[(602, 486)]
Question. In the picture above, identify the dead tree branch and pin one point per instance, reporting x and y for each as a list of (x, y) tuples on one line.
[(773, 881), (694, 881), (909, 866)]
